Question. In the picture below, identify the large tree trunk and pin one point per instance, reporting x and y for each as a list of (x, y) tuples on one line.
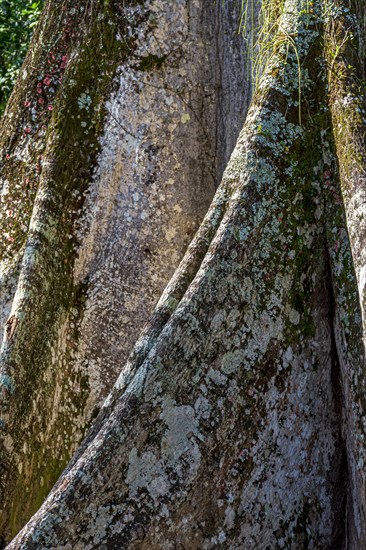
[(346, 56), (238, 419), (111, 155)]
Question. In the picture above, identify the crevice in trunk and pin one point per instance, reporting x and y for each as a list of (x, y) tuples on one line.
[(340, 501), (340, 540), (234, 81)]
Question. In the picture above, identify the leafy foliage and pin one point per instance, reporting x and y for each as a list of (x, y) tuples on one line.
[(17, 21)]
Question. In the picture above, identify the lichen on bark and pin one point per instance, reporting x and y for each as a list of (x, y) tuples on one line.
[(226, 427), (88, 266), (86, 48), (345, 52)]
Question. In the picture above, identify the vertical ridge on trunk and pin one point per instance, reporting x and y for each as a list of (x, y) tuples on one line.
[(112, 191), (224, 430), (345, 52)]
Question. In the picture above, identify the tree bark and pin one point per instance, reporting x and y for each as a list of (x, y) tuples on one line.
[(101, 193), (346, 56), (238, 418)]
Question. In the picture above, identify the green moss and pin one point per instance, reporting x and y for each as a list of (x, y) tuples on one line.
[(150, 62), (73, 132)]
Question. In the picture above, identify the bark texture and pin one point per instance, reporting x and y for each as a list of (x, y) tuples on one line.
[(346, 56), (101, 193), (237, 420)]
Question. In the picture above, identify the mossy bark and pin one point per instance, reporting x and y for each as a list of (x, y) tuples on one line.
[(81, 276), (233, 422), (78, 51), (346, 58)]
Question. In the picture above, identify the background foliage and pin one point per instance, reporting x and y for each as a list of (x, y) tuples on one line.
[(17, 21)]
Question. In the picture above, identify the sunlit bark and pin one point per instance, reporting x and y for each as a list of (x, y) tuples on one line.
[(238, 418), (111, 152)]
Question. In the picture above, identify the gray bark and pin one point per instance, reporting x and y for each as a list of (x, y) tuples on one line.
[(237, 420), (346, 36), (133, 137)]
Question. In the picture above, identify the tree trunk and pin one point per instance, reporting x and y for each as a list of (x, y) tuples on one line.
[(346, 57), (101, 193), (238, 419)]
